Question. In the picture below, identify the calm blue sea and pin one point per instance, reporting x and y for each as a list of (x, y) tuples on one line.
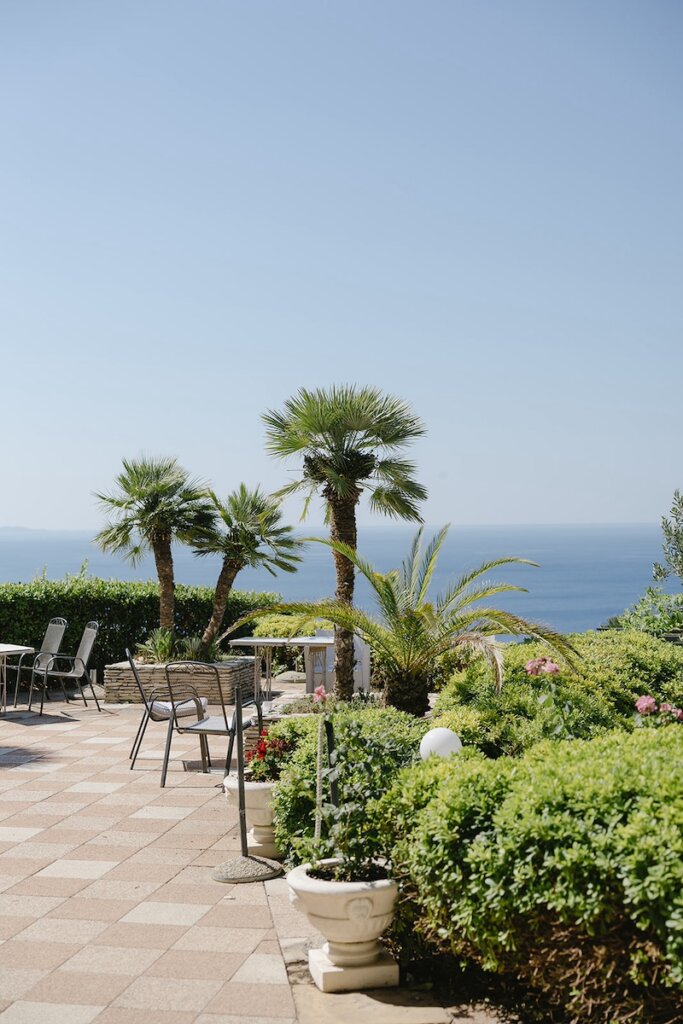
[(586, 573)]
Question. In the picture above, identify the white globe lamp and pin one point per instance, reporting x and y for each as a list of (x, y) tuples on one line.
[(440, 742)]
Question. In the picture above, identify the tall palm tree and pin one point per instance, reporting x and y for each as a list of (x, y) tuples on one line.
[(155, 503), (350, 440), (412, 632), (247, 531)]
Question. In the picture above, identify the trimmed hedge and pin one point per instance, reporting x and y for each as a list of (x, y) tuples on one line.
[(563, 868), (126, 611), (612, 670)]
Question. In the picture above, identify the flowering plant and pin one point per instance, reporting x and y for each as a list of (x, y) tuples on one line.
[(658, 714), (268, 758), (538, 665)]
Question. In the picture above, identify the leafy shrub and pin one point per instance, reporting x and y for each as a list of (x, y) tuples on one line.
[(656, 613), (126, 611), (611, 671), (283, 627), (563, 868), (276, 748), (374, 743)]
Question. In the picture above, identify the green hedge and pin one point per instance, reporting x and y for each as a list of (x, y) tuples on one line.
[(563, 868), (612, 670), (127, 612)]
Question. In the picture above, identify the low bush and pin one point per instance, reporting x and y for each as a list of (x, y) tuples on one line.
[(374, 744), (126, 611), (598, 693), (656, 612), (563, 868)]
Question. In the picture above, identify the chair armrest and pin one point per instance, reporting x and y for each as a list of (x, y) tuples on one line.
[(63, 657)]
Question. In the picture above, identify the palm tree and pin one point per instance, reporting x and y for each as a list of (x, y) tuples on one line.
[(350, 440), (155, 503), (412, 632), (247, 531)]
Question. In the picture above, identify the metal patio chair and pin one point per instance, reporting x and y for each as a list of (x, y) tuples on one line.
[(223, 724), (50, 646), (77, 673)]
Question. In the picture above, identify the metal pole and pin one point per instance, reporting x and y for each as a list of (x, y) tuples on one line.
[(334, 785), (240, 770)]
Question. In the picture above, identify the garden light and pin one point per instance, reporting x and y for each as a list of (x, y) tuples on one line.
[(441, 742)]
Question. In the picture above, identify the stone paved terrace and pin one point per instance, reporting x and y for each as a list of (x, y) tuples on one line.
[(108, 911)]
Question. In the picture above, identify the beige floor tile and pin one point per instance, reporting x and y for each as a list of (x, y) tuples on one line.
[(198, 875), (252, 895), (237, 915), (21, 867), (9, 834), (162, 813), (74, 987), (182, 994), (248, 999), (144, 936), (15, 981), (38, 886), (221, 940), (119, 1015), (229, 1018), (269, 946), (10, 926), (153, 855), (94, 787), (55, 929), (93, 910), (27, 906), (45, 956), (49, 851), (262, 969), (172, 893), (113, 960), (181, 963), (117, 837), (137, 871), (24, 1012), (104, 889), (77, 868), (152, 912)]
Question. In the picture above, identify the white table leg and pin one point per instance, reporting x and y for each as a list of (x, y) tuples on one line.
[(3, 683)]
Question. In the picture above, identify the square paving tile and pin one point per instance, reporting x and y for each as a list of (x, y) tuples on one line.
[(77, 868), (74, 988), (181, 963), (180, 993), (23, 1012)]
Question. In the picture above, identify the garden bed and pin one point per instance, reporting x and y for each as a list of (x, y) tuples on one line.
[(120, 686)]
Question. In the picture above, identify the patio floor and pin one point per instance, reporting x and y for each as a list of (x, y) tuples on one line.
[(108, 911)]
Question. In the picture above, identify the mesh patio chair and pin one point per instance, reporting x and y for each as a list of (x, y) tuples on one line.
[(77, 673), (50, 645), (223, 724)]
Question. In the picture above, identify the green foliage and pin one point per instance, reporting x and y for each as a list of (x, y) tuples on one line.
[(127, 612), (563, 868), (413, 634), (372, 745), (611, 671), (283, 627), (672, 531), (159, 647), (656, 613), (275, 749)]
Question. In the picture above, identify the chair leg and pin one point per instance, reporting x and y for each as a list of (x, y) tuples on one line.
[(167, 752), (228, 758), (138, 740), (143, 723), (202, 751), (92, 690)]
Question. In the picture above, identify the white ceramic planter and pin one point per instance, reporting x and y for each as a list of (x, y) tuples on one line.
[(351, 916), (258, 805)]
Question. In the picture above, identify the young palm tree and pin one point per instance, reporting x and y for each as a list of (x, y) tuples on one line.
[(247, 531), (350, 440), (155, 503), (412, 632)]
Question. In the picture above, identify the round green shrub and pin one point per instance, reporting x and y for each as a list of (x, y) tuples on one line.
[(563, 868), (598, 693)]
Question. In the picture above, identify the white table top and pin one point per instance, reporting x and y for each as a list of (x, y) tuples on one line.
[(276, 641), (6, 649)]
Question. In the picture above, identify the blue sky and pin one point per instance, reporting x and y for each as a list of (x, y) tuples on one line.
[(473, 205)]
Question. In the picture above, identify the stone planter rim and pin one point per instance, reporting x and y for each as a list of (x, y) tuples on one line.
[(300, 880)]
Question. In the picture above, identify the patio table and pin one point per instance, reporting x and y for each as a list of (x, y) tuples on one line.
[(8, 651), (317, 647)]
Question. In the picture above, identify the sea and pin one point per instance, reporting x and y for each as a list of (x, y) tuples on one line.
[(585, 573)]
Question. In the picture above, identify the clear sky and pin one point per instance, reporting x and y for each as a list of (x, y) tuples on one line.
[(475, 205)]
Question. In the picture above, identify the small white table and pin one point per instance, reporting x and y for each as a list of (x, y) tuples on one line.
[(263, 648), (7, 651)]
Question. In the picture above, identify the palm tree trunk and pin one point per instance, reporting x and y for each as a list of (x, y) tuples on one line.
[(163, 557), (343, 528), (226, 578)]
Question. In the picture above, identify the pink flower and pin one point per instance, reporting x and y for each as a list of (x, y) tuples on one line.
[(550, 667), (533, 667), (678, 714), (646, 705), (319, 694), (667, 707)]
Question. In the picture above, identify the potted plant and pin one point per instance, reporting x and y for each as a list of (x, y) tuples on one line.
[(346, 891), (265, 763)]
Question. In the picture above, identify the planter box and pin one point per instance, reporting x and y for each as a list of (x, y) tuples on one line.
[(120, 686)]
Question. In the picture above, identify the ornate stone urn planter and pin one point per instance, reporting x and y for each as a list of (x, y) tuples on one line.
[(258, 797), (351, 916)]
